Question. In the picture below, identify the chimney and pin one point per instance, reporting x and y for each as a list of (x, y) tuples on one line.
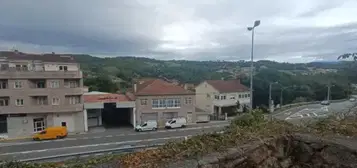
[(135, 87)]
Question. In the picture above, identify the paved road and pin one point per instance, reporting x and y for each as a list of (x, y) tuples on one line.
[(313, 111), (90, 142)]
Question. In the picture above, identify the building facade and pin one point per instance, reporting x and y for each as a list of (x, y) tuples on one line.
[(38, 91), (159, 100), (213, 95)]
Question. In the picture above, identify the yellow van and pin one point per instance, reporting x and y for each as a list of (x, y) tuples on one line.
[(51, 133)]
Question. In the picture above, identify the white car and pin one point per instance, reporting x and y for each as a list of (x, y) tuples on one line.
[(150, 125), (325, 102), (176, 123), (352, 99)]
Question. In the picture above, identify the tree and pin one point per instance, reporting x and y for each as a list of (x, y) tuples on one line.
[(348, 55), (237, 106)]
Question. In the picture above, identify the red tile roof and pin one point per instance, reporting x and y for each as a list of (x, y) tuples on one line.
[(227, 86), (105, 98), (154, 87), (12, 55)]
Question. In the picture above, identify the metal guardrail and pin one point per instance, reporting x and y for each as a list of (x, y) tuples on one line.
[(77, 155), (289, 106)]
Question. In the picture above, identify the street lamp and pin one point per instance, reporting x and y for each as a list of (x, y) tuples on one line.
[(256, 24)]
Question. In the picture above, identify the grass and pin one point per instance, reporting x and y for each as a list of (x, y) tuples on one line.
[(247, 128)]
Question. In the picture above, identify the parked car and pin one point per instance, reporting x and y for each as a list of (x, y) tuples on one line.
[(352, 99), (150, 125), (325, 102), (51, 133), (176, 123)]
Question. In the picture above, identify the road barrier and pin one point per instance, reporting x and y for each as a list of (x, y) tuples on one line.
[(289, 106), (102, 151)]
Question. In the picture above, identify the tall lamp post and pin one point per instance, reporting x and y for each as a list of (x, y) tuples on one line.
[(256, 24)]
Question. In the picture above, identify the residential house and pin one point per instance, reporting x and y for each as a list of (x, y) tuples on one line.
[(38, 91), (159, 100), (215, 95)]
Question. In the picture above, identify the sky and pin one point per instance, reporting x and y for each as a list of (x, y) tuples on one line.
[(290, 31)]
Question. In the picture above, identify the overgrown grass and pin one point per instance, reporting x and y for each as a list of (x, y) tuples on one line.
[(247, 128)]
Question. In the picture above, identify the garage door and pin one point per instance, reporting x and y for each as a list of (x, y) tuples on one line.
[(170, 115), (93, 122), (202, 118), (148, 116)]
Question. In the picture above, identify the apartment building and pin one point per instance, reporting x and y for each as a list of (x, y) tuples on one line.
[(38, 91)]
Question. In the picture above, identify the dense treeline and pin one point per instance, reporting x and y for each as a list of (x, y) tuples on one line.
[(112, 74)]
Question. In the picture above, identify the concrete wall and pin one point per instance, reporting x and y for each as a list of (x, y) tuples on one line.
[(205, 96), (23, 126)]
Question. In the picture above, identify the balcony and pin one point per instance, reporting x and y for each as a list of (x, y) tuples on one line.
[(13, 74), (230, 102), (41, 109)]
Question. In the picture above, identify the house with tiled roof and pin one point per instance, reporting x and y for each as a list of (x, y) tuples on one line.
[(216, 95), (160, 100)]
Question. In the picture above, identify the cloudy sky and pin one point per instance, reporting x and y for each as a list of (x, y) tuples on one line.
[(290, 30)]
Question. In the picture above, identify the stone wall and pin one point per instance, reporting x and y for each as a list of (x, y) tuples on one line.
[(290, 151)]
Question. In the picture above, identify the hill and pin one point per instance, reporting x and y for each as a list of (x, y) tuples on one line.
[(310, 80)]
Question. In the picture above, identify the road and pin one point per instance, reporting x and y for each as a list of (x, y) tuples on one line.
[(97, 141), (313, 111)]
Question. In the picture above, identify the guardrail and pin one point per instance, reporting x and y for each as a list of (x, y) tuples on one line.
[(77, 155), (289, 106)]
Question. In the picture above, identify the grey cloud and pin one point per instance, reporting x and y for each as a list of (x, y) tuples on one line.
[(134, 28)]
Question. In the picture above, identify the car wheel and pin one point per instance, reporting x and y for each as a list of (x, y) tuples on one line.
[(140, 130), (58, 137), (154, 129)]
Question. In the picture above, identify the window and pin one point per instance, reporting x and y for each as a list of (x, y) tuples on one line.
[(19, 102), (74, 100), (188, 100), (41, 84), (18, 84), (232, 97), (245, 96), (168, 103), (248, 95), (39, 124), (65, 68), (60, 68), (240, 96), (21, 67), (223, 97), (155, 103), (4, 101), (63, 124), (73, 84), (55, 101), (143, 101), (162, 103), (208, 96), (41, 100), (3, 84), (54, 84), (177, 103), (216, 97)]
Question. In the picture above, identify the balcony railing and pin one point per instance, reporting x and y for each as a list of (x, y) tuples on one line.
[(28, 109), (14, 74)]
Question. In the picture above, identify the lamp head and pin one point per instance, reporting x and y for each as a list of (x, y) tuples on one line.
[(250, 28), (256, 23)]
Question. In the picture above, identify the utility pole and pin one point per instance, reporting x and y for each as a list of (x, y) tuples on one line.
[(270, 85), (281, 97), (328, 91)]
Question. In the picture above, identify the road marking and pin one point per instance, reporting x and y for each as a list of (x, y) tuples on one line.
[(95, 145), (109, 136)]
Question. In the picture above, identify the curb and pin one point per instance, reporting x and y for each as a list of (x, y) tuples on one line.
[(14, 139)]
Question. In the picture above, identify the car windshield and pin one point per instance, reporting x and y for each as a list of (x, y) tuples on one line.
[(169, 121), (143, 125)]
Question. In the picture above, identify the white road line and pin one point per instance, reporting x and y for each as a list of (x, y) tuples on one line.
[(94, 145), (108, 136)]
